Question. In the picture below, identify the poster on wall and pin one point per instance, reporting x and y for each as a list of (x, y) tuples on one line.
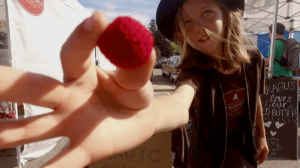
[(3, 38), (6, 108), (5, 57)]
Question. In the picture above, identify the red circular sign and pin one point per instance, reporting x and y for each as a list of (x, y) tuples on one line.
[(34, 7)]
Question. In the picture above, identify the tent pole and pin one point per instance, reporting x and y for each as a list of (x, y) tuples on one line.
[(291, 34), (15, 106), (273, 39)]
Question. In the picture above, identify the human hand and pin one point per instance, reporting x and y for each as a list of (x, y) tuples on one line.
[(263, 149), (102, 113)]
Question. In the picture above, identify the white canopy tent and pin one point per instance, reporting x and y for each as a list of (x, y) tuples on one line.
[(35, 42), (259, 15)]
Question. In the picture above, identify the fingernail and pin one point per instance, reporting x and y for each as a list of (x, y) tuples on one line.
[(89, 23)]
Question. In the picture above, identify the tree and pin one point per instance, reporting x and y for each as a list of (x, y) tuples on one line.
[(161, 42), (157, 50), (152, 27), (175, 48)]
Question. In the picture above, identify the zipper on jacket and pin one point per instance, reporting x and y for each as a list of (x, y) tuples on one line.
[(226, 122), (248, 107)]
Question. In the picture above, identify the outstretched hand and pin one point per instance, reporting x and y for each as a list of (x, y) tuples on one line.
[(101, 112)]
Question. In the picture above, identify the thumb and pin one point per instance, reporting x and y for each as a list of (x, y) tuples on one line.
[(259, 148)]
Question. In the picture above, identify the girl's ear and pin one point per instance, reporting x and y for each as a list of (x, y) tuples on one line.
[(180, 36)]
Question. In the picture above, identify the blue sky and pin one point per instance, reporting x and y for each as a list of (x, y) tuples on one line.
[(141, 10)]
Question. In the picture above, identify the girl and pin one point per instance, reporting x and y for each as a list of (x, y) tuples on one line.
[(227, 78), (105, 113)]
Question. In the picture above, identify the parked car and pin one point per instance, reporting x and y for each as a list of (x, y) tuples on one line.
[(169, 69), (159, 61)]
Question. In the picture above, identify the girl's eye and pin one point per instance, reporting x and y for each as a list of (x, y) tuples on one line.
[(188, 22), (208, 12)]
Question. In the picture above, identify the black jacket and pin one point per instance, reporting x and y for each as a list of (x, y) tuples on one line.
[(208, 136)]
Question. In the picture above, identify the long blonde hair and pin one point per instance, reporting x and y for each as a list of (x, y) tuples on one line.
[(234, 43)]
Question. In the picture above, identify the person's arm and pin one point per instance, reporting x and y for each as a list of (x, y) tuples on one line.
[(103, 113), (260, 129), (262, 145), (268, 55), (268, 61), (172, 112)]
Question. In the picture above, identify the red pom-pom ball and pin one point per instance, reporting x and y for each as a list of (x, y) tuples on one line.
[(126, 43)]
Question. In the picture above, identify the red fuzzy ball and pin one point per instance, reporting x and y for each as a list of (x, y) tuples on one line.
[(126, 43)]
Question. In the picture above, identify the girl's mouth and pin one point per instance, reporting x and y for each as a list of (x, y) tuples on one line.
[(204, 39)]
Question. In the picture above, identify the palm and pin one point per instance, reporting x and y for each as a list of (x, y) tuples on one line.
[(89, 108), (95, 111)]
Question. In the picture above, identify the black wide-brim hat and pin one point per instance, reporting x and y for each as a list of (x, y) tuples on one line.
[(167, 10)]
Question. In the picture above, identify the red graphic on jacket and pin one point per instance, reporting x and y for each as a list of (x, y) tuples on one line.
[(235, 101)]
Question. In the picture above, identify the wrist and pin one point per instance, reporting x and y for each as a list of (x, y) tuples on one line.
[(260, 134), (262, 137)]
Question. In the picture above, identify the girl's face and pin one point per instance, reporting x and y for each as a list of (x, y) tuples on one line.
[(200, 14)]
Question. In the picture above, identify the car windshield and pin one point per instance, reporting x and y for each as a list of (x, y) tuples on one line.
[(176, 60)]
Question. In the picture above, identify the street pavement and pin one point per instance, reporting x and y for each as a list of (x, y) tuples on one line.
[(161, 86)]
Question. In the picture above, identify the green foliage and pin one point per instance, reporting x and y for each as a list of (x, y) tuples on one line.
[(161, 43), (157, 50), (175, 48)]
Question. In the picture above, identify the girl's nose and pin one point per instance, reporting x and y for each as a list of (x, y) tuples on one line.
[(199, 26)]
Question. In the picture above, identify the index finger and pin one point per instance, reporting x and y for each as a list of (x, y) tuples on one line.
[(25, 87), (75, 53)]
